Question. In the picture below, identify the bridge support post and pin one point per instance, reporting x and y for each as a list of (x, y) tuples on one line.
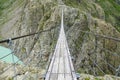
[(10, 44)]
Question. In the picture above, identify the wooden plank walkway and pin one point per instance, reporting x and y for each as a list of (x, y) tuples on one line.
[(61, 67)]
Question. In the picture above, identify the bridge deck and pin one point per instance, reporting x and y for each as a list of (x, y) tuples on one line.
[(61, 67)]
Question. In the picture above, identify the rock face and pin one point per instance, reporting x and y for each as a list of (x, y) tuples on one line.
[(7, 72), (34, 73), (85, 21)]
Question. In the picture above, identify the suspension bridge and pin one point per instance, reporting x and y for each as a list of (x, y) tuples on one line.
[(60, 66)]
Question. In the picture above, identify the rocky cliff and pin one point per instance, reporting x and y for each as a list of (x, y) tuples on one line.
[(34, 73), (91, 27)]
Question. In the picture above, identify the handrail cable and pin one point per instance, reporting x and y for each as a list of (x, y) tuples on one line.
[(10, 66), (100, 47), (102, 36), (6, 55), (104, 49), (7, 40), (97, 66)]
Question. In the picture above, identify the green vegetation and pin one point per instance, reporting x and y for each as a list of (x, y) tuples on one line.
[(87, 78), (10, 78), (5, 4), (110, 7), (71, 3), (98, 79), (112, 12), (1, 38), (6, 9), (76, 4)]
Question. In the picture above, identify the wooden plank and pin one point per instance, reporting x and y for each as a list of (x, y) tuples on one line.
[(54, 57), (60, 77), (53, 76), (71, 65), (55, 66), (67, 65), (61, 65), (68, 77)]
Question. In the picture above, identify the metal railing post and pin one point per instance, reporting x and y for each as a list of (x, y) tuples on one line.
[(12, 52)]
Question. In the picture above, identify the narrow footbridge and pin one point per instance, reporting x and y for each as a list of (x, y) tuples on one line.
[(61, 67)]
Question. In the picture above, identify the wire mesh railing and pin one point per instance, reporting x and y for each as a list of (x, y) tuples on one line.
[(9, 41), (98, 49), (115, 68)]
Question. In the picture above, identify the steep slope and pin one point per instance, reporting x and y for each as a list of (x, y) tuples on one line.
[(83, 19), (33, 73)]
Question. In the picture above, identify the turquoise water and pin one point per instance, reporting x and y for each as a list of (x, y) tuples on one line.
[(5, 51)]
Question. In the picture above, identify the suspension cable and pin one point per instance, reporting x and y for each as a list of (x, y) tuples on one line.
[(6, 55), (10, 66), (106, 37), (97, 36), (102, 36), (98, 66), (7, 40)]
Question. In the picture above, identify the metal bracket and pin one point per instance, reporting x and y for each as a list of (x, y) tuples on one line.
[(9, 41)]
